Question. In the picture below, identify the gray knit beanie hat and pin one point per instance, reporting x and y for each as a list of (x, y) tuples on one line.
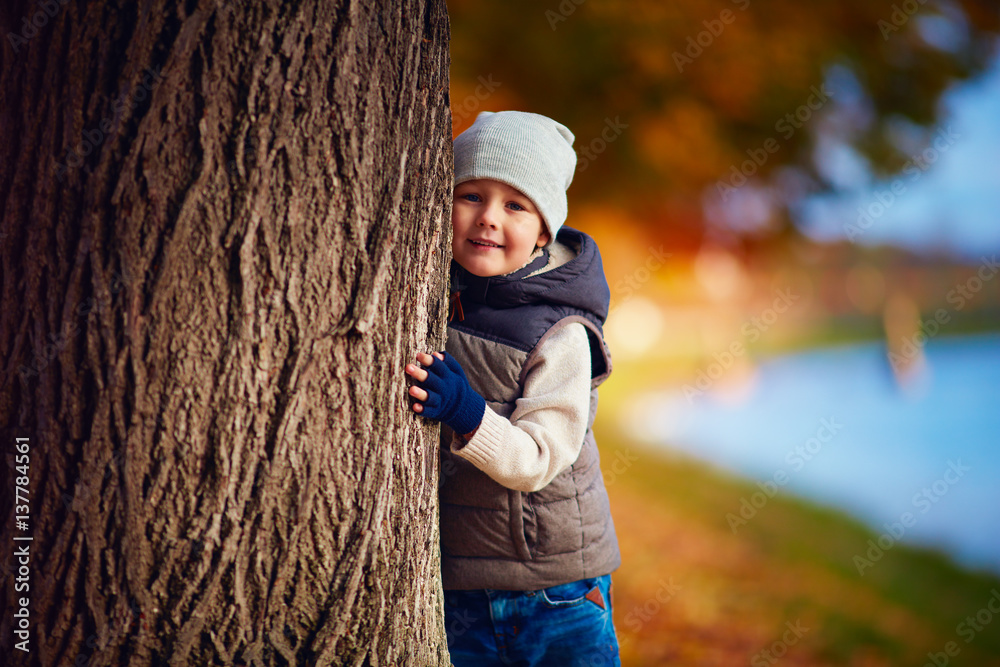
[(527, 151)]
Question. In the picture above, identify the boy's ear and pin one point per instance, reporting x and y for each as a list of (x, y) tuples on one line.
[(543, 237)]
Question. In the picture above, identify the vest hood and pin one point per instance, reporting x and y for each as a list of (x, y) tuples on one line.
[(579, 283)]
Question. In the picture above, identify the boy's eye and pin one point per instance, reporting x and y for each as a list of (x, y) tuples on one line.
[(468, 196), (517, 207)]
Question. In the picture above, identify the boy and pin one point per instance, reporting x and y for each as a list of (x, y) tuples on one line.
[(527, 541)]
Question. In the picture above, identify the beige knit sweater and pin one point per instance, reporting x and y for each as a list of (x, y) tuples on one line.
[(545, 432)]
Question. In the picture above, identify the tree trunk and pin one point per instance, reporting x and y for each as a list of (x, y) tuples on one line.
[(224, 232)]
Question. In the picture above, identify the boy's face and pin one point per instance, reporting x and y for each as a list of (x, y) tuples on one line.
[(495, 228)]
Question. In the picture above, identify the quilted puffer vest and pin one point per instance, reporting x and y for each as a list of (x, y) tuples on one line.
[(492, 536)]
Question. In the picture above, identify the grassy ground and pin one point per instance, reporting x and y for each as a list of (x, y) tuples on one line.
[(782, 589)]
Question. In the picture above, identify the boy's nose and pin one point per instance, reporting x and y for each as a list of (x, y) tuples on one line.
[(490, 216)]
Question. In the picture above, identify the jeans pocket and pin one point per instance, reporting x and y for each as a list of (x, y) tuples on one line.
[(568, 595)]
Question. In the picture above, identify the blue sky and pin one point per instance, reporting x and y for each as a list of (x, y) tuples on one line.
[(950, 203)]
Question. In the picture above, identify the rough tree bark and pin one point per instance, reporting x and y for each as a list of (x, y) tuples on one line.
[(224, 231)]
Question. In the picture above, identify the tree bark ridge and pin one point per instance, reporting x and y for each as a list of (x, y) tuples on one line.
[(225, 231)]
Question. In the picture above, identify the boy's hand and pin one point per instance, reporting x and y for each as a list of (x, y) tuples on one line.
[(445, 394)]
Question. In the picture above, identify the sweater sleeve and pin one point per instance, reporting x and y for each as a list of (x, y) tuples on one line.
[(545, 432)]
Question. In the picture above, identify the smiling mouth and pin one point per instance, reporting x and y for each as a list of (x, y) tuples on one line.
[(485, 244)]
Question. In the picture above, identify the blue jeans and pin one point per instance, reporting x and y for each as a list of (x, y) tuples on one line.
[(561, 626)]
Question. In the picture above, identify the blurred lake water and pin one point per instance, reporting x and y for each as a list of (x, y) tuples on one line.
[(834, 426)]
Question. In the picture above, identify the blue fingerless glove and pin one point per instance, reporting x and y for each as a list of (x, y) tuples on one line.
[(450, 398)]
